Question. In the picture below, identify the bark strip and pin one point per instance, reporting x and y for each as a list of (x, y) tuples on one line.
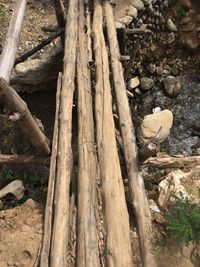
[(136, 184), (118, 245)]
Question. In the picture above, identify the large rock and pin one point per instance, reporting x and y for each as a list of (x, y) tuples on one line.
[(179, 184), (36, 74), (15, 188), (152, 123)]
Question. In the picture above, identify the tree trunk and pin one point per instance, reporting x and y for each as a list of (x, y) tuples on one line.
[(136, 184), (118, 244), (58, 256), (87, 246)]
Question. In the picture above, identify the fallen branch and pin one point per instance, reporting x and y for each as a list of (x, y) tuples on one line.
[(60, 234), (118, 245), (60, 15), (87, 245), (23, 160), (136, 183), (48, 219), (171, 162), (44, 43), (28, 124)]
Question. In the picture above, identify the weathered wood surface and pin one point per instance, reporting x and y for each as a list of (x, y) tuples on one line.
[(118, 244), (87, 244), (23, 160), (48, 219), (58, 255), (171, 162), (28, 124), (136, 184), (12, 39)]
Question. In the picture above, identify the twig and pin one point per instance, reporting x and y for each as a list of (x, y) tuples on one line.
[(23, 159), (44, 43)]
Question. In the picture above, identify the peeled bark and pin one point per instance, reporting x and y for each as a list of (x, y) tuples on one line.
[(118, 244), (87, 244), (58, 256), (136, 184)]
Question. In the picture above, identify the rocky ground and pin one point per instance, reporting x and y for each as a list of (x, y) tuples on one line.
[(163, 86)]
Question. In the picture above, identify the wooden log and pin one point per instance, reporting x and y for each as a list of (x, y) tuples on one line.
[(118, 244), (87, 245), (23, 160), (136, 184), (60, 15), (59, 244), (48, 219), (15, 104), (171, 162), (44, 43), (11, 43)]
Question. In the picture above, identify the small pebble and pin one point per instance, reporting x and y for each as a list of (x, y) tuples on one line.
[(146, 83), (172, 86), (171, 26)]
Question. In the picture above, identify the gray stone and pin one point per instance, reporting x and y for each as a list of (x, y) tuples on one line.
[(146, 83), (171, 26), (152, 123), (172, 86), (15, 188)]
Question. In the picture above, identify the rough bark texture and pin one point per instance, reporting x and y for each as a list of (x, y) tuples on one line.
[(59, 243), (136, 184), (87, 246), (15, 104), (12, 39), (118, 245), (48, 220)]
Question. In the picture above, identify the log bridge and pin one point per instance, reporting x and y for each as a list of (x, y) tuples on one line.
[(76, 213)]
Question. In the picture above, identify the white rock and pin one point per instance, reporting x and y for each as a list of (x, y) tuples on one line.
[(133, 83), (152, 123), (137, 4), (173, 184), (16, 188), (171, 26), (126, 20), (156, 109), (132, 11)]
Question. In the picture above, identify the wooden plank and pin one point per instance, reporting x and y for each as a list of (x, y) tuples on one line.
[(59, 244), (118, 245), (48, 219), (87, 244), (12, 39), (136, 184)]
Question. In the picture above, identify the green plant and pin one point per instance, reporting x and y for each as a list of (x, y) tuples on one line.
[(183, 221)]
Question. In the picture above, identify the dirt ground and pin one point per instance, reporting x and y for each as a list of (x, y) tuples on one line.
[(21, 227)]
